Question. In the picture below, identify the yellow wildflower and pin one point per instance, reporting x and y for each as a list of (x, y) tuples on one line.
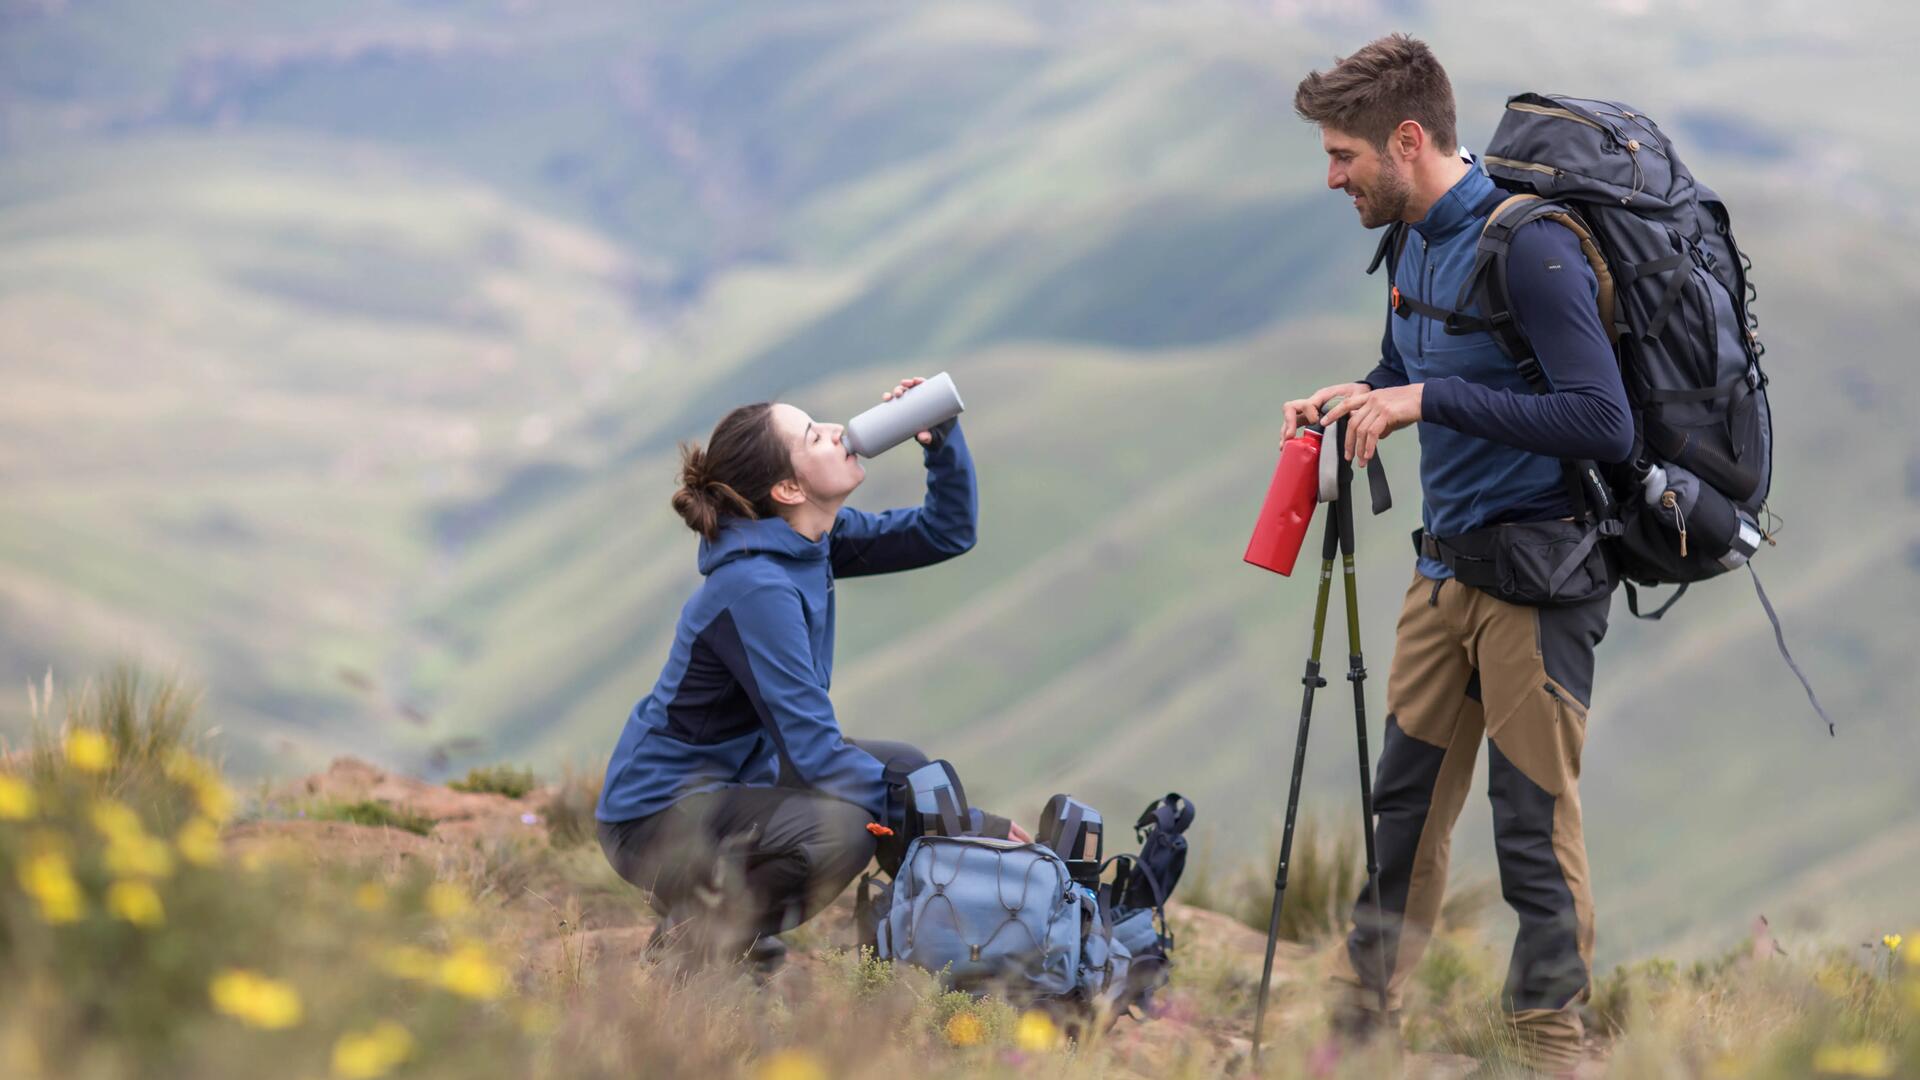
[(470, 972), (1036, 1033), (186, 769), (370, 897), (792, 1065), (965, 1029), (1833, 980), (115, 819), (362, 1055), (446, 901), (89, 751), (409, 962), (1891, 941), (136, 902), (139, 856), (16, 799), (1857, 1059), (48, 878), (215, 800), (255, 1000), (199, 842)]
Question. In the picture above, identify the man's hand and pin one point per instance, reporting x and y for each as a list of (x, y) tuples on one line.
[(1016, 833), (1307, 410), (1375, 414)]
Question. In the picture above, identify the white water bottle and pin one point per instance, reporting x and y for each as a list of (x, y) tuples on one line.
[(890, 423)]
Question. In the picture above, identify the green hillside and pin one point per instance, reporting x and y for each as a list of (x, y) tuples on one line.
[(346, 350)]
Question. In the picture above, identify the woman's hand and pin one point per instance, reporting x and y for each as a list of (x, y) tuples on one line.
[(1015, 832), (925, 437)]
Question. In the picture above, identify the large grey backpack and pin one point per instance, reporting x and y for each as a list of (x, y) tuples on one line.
[(1034, 922), (997, 915), (1675, 298)]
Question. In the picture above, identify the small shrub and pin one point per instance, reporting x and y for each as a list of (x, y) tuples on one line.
[(496, 780), (372, 812), (1323, 877), (569, 809)]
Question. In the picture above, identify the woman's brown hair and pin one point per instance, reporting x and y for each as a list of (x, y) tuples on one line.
[(735, 473)]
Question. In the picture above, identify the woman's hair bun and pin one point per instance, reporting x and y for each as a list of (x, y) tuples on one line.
[(734, 474)]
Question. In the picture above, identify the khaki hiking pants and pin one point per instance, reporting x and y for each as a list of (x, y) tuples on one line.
[(1465, 663)]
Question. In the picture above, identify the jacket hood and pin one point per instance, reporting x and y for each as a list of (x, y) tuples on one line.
[(740, 537)]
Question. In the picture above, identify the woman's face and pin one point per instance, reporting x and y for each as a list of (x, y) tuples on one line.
[(822, 465)]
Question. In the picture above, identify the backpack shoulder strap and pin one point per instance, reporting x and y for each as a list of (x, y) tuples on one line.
[(1488, 281)]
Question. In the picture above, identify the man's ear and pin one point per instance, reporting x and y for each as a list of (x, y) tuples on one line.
[(788, 493), (1408, 140)]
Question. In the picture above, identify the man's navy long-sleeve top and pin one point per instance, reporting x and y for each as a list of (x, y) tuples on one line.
[(743, 696), (1490, 448)]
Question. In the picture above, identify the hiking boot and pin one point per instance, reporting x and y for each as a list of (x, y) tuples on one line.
[(1357, 1026), (765, 955)]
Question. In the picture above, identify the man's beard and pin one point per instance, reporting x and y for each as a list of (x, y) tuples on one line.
[(1386, 199)]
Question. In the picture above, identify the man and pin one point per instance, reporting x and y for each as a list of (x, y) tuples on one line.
[(1490, 455)]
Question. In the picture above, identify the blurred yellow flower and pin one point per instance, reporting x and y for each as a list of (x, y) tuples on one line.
[(370, 897), (215, 800), (255, 1000), (115, 819), (1857, 1059), (1891, 941), (792, 1065), (409, 962), (446, 901), (139, 856), (470, 972), (16, 800), (47, 877), (199, 842), (183, 767), (135, 902), (89, 751), (1912, 952), (965, 1029), (1036, 1033), (362, 1055), (1833, 980)]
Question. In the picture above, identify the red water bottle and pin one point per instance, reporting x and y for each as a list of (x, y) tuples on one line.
[(1289, 507)]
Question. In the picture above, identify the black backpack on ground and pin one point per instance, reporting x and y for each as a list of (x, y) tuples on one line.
[(1675, 298)]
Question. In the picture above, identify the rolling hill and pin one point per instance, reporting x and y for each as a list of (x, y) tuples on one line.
[(347, 350)]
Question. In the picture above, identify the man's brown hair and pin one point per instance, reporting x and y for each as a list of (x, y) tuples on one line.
[(1390, 80)]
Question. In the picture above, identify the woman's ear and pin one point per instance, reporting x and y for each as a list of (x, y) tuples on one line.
[(788, 493)]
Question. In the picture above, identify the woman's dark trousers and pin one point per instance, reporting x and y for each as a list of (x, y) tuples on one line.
[(749, 862)]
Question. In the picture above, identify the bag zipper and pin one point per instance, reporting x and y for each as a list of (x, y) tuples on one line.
[(1671, 501), (1511, 163), (1562, 114)]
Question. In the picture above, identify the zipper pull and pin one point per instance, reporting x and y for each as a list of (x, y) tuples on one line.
[(1672, 502)]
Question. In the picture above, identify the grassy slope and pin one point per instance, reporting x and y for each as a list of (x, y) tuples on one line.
[(343, 338)]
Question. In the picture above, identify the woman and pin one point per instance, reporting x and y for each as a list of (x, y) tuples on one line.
[(732, 796)]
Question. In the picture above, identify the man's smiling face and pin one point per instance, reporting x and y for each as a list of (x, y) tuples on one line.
[(1376, 185)]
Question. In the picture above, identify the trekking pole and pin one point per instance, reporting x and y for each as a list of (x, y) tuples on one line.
[(1357, 675), (1311, 681)]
